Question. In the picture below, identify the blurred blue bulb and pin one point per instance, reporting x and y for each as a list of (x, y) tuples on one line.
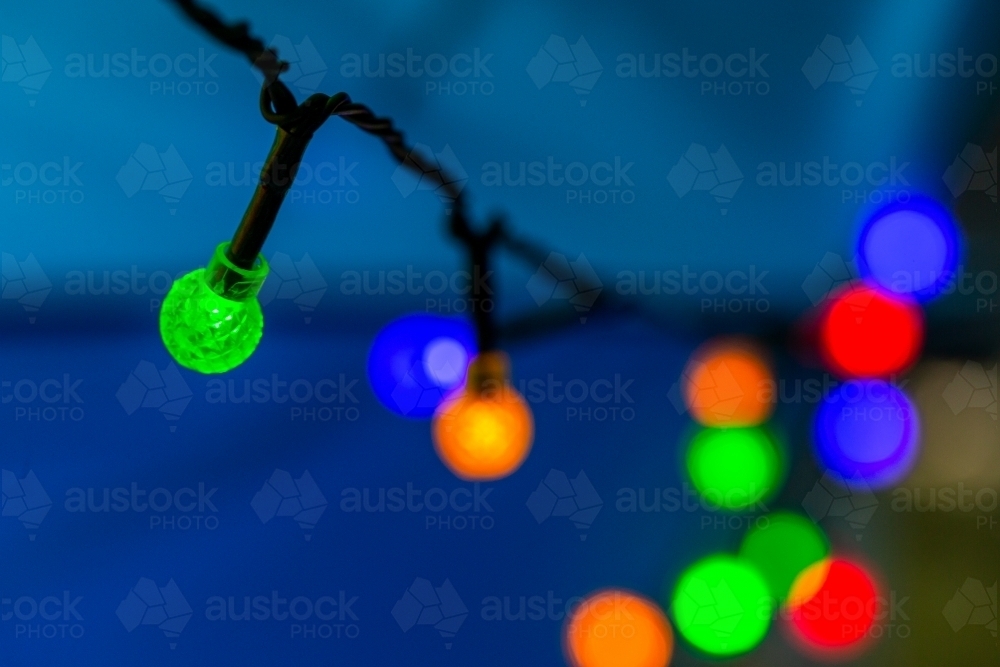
[(418, 360), (867, 432), (910, 248)]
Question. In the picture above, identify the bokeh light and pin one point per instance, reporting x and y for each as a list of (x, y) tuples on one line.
[(910, 248), (841, 609), (722, 605), (867, 429), (418, 360), (734, 468), (484, 432), (782, 546), (957, 404), (869, 332), (726, 383), (617, 628)]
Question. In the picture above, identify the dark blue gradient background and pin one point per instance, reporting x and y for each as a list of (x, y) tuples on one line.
[(100, 338)]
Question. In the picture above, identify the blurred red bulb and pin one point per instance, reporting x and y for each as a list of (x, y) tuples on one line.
[(867, 332), (833, 605)]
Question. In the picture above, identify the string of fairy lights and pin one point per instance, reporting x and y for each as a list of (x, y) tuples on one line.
[(866, 431)]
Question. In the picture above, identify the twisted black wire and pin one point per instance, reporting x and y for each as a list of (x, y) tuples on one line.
[(279, 107)]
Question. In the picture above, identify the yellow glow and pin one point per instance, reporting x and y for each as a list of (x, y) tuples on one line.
[(484, 436), (808, 583)]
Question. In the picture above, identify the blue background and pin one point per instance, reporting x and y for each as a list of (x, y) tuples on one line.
[(101, 338)]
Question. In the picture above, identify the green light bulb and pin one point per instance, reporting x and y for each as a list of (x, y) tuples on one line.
[(734, 468), (782, 545), (210, 320), (722, 605)]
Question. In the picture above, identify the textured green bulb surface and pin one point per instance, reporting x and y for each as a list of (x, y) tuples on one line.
[(206, 332)]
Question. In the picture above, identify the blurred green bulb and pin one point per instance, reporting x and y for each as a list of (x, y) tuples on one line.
[(722, 605), (734, 468), (211, 321), (783, 545)]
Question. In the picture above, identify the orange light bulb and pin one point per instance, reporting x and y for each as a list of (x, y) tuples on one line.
[(728, 382), (485, 432), (615, 628)]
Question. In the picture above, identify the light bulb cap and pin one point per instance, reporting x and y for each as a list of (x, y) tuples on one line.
[(233, 282), (488, 373)]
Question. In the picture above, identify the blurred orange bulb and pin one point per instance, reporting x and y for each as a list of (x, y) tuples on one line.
[(615, 628), (727, 382), (484, 433)]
